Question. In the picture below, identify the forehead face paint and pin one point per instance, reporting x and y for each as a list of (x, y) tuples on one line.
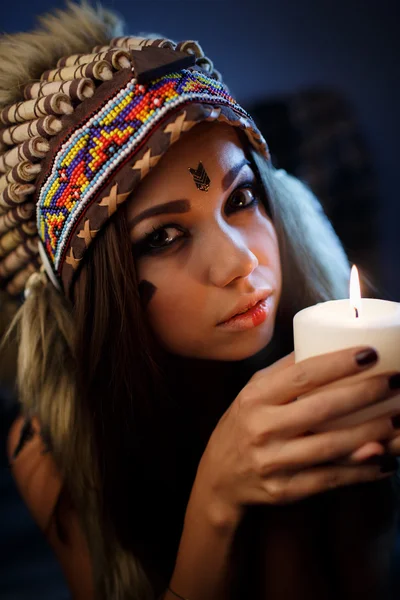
[(146, 292), (200, 177)]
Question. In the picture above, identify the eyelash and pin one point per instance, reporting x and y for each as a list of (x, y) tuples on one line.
[(143, 247)]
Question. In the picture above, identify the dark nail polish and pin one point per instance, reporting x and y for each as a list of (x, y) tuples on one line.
[(394, 382), (396, 422), (366, 357), (388, 464)]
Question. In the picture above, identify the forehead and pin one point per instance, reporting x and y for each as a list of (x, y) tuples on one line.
[(205, 141), (217, 145)]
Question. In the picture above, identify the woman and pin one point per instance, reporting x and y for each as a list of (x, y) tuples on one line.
[(161, 449)]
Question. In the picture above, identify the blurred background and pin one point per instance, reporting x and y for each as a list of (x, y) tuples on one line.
[(321, 78)]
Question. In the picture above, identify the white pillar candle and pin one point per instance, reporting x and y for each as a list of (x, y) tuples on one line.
[(334, 325)]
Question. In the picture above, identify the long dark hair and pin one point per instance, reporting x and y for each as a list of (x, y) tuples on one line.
[(146, 440), (123, 387), (130, 422), (147, 409)]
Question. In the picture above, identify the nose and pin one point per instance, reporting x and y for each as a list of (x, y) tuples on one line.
[(229, 257)]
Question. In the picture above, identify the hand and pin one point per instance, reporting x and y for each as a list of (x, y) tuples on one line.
[(391, 447), (262, 451)]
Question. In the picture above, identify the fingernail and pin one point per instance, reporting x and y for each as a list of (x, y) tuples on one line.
[(394, 381), (388, 464), (396, 421), (366, 357)]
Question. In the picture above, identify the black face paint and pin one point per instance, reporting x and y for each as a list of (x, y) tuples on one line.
[(146, 292), (27, 433), (200, 177)]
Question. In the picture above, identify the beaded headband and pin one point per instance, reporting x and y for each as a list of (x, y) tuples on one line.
[(84, 138)]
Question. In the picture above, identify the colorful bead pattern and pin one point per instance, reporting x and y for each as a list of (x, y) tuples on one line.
[(96, 148)]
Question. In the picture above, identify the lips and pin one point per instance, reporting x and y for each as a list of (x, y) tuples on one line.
[(245, 304)]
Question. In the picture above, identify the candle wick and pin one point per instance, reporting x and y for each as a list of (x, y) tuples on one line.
[(356, 309)]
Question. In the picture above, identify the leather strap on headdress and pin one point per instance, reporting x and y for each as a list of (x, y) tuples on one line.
[(114, 113)]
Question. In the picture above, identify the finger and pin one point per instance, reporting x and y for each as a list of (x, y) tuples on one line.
[(365, 452), (372, 449), (276, 367), (375, 448), (319, 448), (393, 446), (285, 380), (307, 414), (308, 482)]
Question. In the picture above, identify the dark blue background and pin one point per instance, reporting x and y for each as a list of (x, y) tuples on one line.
[(263, 49), (267, 47)]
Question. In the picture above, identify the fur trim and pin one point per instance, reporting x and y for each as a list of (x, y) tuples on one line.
[(44, 325), (24, 56)]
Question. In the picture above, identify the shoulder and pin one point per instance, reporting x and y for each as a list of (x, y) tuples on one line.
[(36, 475), (41, 487)]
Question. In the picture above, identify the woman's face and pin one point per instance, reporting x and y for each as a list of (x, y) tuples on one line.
[(207, 254)]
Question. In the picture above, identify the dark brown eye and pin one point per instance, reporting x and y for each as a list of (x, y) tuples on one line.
[(159, 238), (241, 198), (164, 237)]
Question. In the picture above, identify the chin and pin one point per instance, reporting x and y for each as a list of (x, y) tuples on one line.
[(238, 353), (239, 347)]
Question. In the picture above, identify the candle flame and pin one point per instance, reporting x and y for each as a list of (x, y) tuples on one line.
[(355, 292)]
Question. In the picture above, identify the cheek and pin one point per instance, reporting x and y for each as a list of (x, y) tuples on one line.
[(274, 247), (167, 294), (275, 257), (175, 310), (168, 316), (266, 241)]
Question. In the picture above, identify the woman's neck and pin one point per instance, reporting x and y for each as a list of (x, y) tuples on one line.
[(198, 376), (202, 390)]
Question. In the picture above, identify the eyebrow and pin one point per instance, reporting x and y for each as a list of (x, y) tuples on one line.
[(174, 207), (231, 175), (183, 205)]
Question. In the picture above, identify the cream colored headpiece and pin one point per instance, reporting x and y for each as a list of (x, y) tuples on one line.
[(57, 186)]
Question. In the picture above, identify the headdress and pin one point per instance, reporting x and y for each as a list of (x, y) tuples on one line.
[(84, 137)]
